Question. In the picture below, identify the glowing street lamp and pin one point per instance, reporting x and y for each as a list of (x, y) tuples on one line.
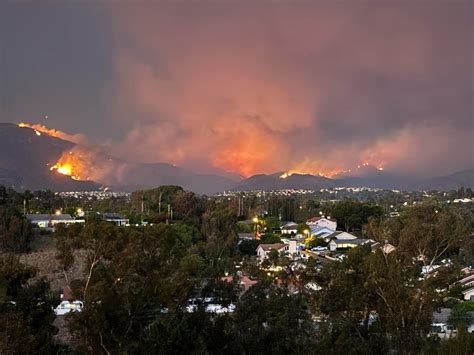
[(307, 233)]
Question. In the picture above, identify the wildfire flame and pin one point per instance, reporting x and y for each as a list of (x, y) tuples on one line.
[(65, 169), (287, 174), (72, 164), (328, 173), (42, 129)]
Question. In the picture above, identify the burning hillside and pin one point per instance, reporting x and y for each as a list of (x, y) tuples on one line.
[(42, 129), (78, 163), (70, 164)]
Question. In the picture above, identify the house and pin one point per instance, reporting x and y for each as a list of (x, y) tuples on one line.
[(116, 218), (289, 228), (339, 236), (320, 232), (66, 294), (440, 323), (246, 236), (264, 249), (322, 222), (336, 244), (469, 294), (292, 247), (467, 281), (50, 220), (244, 282), (385, 248)]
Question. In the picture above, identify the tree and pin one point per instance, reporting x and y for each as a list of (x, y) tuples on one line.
[(248, 247), (352, 215), (26, 315), (15, 231), (270, 321), (426, 232)]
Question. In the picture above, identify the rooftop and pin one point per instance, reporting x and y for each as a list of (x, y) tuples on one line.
[(49, 217), (276, 246), (113, 216), (357, 241)]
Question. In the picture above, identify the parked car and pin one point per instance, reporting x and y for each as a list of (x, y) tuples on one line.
[(66, 307)]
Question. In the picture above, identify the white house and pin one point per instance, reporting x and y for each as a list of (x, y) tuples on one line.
[(322, 222), (339, 236), (469, 294), (467, 281), (388, 248), (336, 244), (50, 220), (116, 218), (320, 232), (385, 248), (264, 249), (292, 247), (289, 228)]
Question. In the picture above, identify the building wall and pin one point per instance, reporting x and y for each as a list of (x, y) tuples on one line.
[(469, 294)]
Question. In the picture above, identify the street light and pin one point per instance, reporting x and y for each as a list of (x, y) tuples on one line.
[(255, 227)]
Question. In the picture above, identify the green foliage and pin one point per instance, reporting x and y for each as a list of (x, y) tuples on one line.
[(352, 215), (26, 314), (272, 223), (366, 284), (313, 242), (461, 344), (248, 247), (265, 316), (302, 227), (155, 199), (138, 280), (15, 231), (461, 314), (270, 239), (243, 227), (192, 265)]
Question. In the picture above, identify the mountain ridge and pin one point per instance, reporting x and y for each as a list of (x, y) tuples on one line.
[(27, 155)]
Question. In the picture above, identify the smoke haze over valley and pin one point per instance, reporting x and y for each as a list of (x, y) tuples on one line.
[(246, 88)]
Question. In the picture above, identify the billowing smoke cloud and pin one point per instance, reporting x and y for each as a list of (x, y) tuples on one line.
[(318, 86)]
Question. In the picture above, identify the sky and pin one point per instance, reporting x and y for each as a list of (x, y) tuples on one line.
[(249, 86)]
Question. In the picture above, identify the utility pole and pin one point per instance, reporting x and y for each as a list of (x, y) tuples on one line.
[(159, 202), (142, 210)]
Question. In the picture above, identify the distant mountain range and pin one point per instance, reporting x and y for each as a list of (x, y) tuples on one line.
[(139, 176), (277, 182), (26, 158), (363, 177)]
